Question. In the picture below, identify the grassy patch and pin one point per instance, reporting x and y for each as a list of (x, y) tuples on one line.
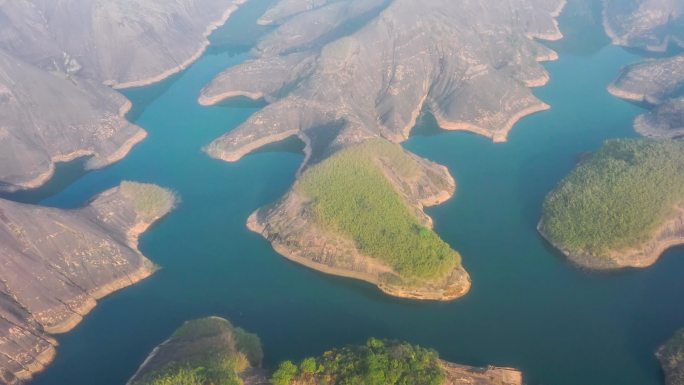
[(376, 363), (352, 196), (618, 197), (151, 201)]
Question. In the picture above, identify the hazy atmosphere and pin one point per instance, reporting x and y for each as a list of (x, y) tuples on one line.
[(341, 192)]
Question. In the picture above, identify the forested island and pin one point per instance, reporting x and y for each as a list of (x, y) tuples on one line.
[(213, 351), (389, 62), (621, 207)]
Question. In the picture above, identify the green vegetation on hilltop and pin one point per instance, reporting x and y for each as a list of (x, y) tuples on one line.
[(376, 363), (672, 359), (617, 198), (151, 201), (352, 195), (202, 352)]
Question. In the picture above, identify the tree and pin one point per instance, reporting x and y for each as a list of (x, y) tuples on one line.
[(285, 373)]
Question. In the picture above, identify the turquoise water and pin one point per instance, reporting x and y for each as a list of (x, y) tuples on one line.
[(528, 307)]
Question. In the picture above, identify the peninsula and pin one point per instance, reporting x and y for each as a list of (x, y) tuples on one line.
[(657, 83), (583, 219), (211, 350), (651, 25), (351, 86), (57, 61), (671, 356), (58, 263)]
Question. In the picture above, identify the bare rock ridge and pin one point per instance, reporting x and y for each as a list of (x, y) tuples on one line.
[(56, 59), (652, 25), (366, 69), (57, 263), (659, 83), (186, 349)]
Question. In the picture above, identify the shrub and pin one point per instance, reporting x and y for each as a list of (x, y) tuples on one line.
[(286, 372)]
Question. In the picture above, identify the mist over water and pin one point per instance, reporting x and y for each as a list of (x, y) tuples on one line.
[(528, 307)]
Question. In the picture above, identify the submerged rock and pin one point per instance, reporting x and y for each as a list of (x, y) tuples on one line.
[(57, 263)]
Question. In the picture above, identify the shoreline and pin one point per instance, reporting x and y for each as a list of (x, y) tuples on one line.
[(239, 153), (670, 234), (208, 101), (620, 93), (91, 297), (188, 62), (499, 136)]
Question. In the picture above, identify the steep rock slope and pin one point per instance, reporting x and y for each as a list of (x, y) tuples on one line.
[(54, 269), (122, 43), (55, 57), (339, 74), (660, 84), (651, 25), (46, 118)]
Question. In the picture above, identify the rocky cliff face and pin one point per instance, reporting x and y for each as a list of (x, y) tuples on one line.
[(54, 59), (652, 25), (57, 263), (338, 73)]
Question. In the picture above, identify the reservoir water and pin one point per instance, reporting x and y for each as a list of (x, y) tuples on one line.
[(528, 308)]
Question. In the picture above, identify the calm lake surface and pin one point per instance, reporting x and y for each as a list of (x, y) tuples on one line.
[(528, 308)]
